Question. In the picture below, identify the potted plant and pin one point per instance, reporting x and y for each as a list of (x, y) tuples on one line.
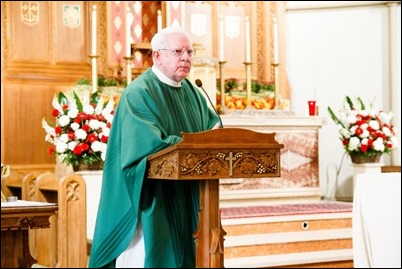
[(365, 133), (80, 131)]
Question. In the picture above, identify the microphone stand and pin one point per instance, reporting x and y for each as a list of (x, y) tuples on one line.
[(199, 84)]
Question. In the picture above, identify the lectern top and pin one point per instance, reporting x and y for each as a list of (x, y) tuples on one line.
[(232, 136), (223, 138)]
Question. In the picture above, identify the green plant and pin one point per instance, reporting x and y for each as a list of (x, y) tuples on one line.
[(105, 81)]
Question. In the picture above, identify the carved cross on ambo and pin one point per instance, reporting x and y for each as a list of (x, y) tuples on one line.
[(230, 159)]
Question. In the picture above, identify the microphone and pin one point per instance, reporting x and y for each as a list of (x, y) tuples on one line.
[(199, 84)]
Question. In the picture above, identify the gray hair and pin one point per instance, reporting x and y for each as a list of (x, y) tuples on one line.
[(160, 39)]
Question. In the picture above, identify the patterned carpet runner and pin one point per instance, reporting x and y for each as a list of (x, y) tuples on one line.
[(286, 209)]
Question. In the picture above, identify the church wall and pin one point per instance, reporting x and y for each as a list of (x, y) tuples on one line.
[(46, 44), (44, 50), (333, 52)]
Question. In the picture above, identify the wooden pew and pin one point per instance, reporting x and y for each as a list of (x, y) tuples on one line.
[(12, 185), (64, 244), (68, 236)]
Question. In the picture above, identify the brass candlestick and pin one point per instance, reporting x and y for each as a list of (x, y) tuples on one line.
[(94, 62), (223, 108), (276, 70), (129, 61), (248, 84)]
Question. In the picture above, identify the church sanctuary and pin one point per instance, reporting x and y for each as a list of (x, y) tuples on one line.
[(304, 173)]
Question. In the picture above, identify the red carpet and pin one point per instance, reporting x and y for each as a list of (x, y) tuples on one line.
[(287, 209)]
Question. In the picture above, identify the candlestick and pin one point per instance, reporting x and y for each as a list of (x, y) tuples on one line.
[(248, 84), (159, 20), (221, 39), (129, 61), (94, 21), (277, 88), (247, 30), (276, 40), (223, 109), (94, 73), (128, 33)]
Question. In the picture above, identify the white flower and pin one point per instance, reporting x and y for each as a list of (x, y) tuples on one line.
[(88, 109), (71, 145), (94, 124), (378, 144), (63, 138), (73, 112), (364, 129), (61, 147), (96, 146), (74, 126), (374, 124), (365, 133), (80, 128), (64, 120), (387, 131), (353, 143), (80, 134)]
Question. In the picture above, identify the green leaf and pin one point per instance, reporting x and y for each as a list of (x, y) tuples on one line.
[(349, 101), (94, 98), (77, 101), (62, 99), (362, 106), (334, 117)]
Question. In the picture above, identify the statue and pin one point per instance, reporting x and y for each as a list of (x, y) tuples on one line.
[(5, 172)]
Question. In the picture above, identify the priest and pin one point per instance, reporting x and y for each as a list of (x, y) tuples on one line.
[(145, 223)]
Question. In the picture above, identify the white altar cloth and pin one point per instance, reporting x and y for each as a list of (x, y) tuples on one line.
[(377, 220)]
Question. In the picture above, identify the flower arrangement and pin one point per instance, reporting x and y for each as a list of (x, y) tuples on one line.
[(262, 94), (364, 131), (81, 128)]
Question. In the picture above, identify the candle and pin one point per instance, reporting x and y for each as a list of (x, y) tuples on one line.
[(276, 40), (159, 20), (221, 39), (128, 33), (248, 52), (94, 30)]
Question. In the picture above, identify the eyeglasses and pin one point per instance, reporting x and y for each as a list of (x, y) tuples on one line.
[(177, 52)]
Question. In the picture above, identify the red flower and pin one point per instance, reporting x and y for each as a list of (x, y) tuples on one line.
[(91, 138), (55, 113), (58, 130)]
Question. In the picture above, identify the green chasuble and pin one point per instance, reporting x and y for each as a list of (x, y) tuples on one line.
[(149, 117)]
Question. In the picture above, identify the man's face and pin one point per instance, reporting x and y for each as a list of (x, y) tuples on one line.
[(175, 60)]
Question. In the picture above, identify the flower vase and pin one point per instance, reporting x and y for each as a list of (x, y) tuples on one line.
[(359, 158), (93, 182), (88, 167)]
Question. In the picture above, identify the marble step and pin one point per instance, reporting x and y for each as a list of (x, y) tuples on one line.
[(305, 240), (292, 242), (292, 223), (341, 258)]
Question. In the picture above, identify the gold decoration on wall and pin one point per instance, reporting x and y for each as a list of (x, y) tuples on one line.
[(102, 39), (29, 12)]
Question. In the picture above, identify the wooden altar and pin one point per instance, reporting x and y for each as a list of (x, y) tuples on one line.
[(209, 156)]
